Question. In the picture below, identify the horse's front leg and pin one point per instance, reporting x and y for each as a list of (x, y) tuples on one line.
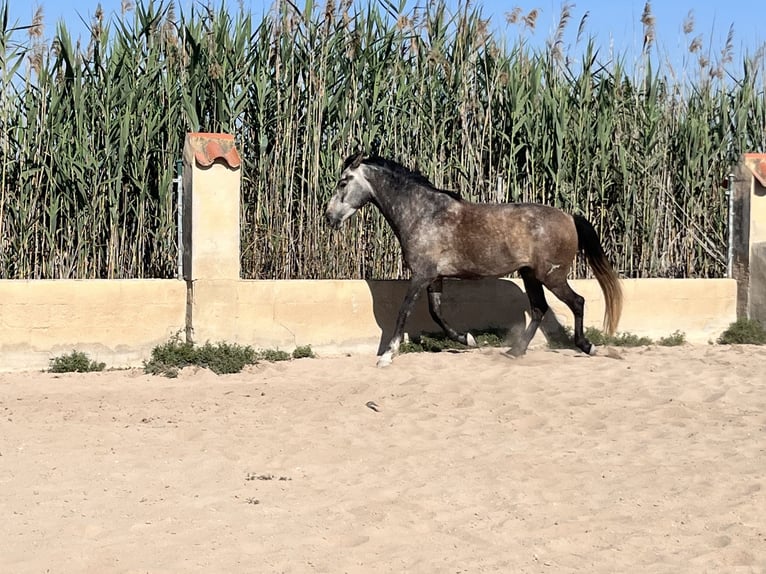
[(435, 306), (413, 292)]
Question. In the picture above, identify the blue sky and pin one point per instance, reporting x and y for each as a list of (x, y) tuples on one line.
[(613, 24)]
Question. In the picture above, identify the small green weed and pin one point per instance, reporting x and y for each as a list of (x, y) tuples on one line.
[(303, 352), (675, 339), (437, 342), (75, 362), (272, 355), (629, 340), (492, 337), (167, 359), (599, 338), (743, 332), (225, 358), (221, 358), (410, 347)]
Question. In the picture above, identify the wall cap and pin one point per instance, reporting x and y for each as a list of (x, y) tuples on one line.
[(756, 163), (207, 148)]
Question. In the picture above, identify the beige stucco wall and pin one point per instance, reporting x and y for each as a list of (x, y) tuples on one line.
[(757, 288), (758, 218), (114, 321), (757, 292), (120, 321), (355, 316)]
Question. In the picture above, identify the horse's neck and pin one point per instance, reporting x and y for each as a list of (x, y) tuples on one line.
[(403, 207)]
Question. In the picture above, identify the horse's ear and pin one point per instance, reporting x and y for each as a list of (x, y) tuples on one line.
[(375, 147), (357, 161), (354, 160)]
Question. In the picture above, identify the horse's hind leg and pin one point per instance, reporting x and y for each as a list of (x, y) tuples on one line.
[(538, 306), (434, 307), (577, 304)]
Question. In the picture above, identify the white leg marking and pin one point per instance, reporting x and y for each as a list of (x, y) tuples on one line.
[(385, 359), (393, 349)]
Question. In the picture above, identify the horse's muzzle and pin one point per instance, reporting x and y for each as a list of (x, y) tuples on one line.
[(331, 220)]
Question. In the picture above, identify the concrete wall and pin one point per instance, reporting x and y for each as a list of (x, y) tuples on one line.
[(756, 304), (357, 316), (120, 321), (114, 321)]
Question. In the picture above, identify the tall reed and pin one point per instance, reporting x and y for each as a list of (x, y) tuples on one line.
[(91, 133)]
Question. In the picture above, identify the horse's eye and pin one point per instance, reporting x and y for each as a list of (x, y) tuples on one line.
[(342, 183)]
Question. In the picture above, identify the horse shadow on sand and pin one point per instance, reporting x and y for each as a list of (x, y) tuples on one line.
[(475, 305)]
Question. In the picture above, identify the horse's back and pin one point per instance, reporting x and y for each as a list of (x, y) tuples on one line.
[(498, 239), (522, 222)]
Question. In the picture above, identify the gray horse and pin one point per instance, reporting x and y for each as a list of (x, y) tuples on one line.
[(442, 235)]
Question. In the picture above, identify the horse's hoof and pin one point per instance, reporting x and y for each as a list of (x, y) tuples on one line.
[(588, 348), (470, 341), (384, 360), (593, 350)]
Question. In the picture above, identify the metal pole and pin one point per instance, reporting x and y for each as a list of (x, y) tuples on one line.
[(730, 257), (179, 181)]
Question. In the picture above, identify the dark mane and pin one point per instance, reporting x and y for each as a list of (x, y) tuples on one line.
[(407, 173)]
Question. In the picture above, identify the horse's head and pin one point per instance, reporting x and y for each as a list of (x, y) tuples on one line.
[(352, 192)]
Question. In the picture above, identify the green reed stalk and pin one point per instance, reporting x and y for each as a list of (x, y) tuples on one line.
[(90, 133)]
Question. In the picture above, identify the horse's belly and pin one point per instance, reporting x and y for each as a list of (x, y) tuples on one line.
[(477, 267)]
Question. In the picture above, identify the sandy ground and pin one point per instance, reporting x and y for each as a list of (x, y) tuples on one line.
[(649, 460)]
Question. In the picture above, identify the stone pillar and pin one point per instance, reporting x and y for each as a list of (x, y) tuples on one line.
[(211, 232), (749, 236), (211, 201)]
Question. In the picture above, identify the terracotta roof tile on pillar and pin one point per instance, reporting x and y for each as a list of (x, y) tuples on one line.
[(756, 163), (210, 147)]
